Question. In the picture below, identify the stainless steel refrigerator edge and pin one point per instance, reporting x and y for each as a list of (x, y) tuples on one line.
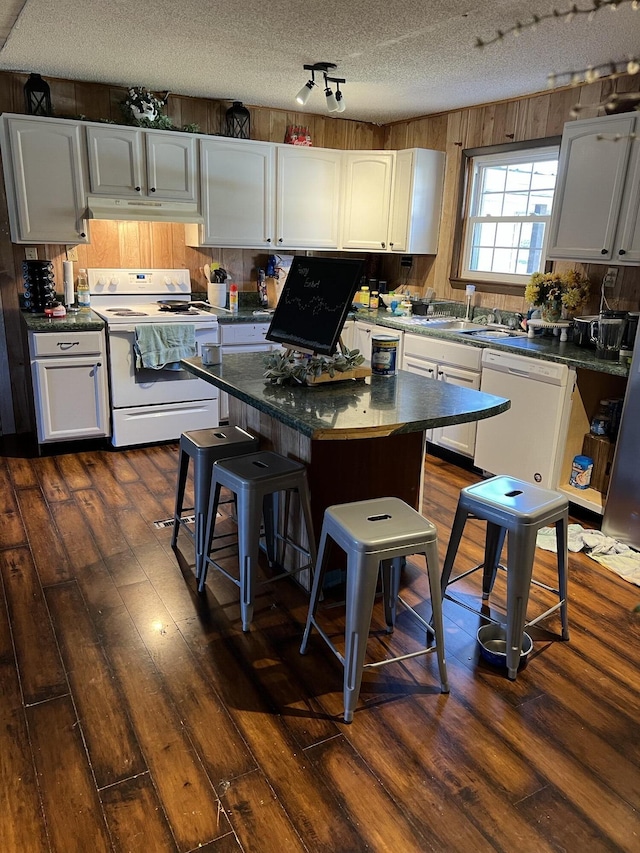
[(622, 511)]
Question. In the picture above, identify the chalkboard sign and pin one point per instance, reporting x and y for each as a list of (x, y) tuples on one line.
[(314, 303)]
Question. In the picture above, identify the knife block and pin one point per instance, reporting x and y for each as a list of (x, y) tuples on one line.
[(600, 448)]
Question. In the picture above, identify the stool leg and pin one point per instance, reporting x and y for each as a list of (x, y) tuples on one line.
[(212, 512), (316, 590), (561, 547), (431, 556), (362, 579), (305, 505), (183, 467), (270, 513), (492, 549), (249, 511), (391, 571), (202, 497), (521, 554), (459, 522)]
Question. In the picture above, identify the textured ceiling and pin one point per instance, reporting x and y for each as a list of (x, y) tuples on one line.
[(401, 58)]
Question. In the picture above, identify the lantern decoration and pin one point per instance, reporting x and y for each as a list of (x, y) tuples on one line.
[(238, 120), (37, 96)]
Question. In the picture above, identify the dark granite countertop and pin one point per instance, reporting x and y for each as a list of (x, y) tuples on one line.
[(545, 347), (377, 406), (80, 322)]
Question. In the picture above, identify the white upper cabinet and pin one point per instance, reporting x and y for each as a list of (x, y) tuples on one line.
[(367, 198), (237, 180), (393, 200), (595, 208), (132, 163), (44, 172), (307, 197), (417, 201)]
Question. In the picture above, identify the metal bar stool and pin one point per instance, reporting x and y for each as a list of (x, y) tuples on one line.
[(519, 509), (204, 446), (257, 480), (377, 535)]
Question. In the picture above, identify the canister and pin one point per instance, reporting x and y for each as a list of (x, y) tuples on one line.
[(384, 354), (581, 470)]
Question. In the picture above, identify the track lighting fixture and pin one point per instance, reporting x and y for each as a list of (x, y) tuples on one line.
[(335, 101)]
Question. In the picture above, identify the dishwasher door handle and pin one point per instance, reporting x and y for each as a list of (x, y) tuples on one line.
[(514, 372)]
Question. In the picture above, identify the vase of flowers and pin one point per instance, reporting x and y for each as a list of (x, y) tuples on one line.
[(557, 293)]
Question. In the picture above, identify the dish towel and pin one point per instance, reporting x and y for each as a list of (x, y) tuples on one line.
[(614, 555), (162, 345)]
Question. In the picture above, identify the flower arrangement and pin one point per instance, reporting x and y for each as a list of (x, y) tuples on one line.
[(145, 109), (569, 289), (287, 367)]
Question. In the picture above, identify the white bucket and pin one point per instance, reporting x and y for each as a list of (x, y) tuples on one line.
[(384, 354)]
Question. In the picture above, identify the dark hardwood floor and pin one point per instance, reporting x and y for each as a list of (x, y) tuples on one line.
[(137, 716)]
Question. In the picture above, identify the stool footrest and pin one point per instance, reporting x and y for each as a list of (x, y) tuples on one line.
[(384, 662), (545, 614)]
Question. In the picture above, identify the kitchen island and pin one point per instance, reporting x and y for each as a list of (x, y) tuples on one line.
[(359, 438)]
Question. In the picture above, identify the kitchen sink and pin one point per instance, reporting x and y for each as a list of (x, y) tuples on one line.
[(485, 332), (448, 324)]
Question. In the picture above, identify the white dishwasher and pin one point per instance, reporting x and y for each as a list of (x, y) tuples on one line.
[(528, 440)]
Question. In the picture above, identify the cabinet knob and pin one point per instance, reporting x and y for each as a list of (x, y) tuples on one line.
[(391, 245), (137, 189), (622, 252), (280, 240), (384, 245), (604, 252), (440, 373), (153, 189), (82, 234), (268, 239)]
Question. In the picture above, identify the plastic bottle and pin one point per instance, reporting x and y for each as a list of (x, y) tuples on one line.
[(364, 297), (233, 298), (262, 288), (82, 289), (374, 300)]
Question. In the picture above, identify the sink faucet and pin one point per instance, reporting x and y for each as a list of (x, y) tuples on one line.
[(497, 314)]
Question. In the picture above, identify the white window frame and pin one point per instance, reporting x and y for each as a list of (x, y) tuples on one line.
[(477, 165)]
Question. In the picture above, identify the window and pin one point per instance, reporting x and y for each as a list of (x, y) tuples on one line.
[(505, 230)]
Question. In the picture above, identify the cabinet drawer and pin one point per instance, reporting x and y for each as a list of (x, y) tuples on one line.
[(444, 352), (66, 343), (243, 333)]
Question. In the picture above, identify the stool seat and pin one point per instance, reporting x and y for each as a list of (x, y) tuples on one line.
[(205, 447), (377, 535), (257, 479), (516, 509)]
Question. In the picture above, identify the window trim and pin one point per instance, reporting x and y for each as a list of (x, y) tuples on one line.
[(456, 279)]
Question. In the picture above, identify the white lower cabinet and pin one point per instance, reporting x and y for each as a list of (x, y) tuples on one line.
[(70, 385), (361, 338), (456, 364)]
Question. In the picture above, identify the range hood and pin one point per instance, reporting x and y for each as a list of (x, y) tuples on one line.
[(140, 209)]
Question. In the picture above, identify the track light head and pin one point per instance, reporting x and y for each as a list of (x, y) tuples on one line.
[(303, 95), (340, 102), (332, 104)]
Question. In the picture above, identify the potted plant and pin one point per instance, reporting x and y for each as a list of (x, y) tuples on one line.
[(557, 292)]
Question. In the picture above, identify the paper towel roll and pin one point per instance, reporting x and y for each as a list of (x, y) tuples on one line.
[(67, 277)]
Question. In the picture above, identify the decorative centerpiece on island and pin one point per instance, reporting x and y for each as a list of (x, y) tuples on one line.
[(557, 293), (294, 367)]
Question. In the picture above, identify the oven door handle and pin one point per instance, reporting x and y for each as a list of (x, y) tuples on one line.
[(200, 327)]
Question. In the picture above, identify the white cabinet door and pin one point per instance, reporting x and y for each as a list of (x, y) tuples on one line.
[(71, 398), (628, 238), (416, 205), (171, 166), (591, 182), (347, 334), (44, 172), (116, 166), (367, 199), (308, 197), (362, 338), (131, 163), (237, 194), (421, 367), (461, 438)]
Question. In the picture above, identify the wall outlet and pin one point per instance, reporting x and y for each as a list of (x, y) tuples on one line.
[(611, 277), (72, 253), (31, 253), (406, 261)]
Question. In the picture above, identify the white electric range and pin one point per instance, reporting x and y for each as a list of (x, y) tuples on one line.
[(152, 405)]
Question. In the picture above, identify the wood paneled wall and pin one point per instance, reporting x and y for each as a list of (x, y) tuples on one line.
[(154, 244)]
